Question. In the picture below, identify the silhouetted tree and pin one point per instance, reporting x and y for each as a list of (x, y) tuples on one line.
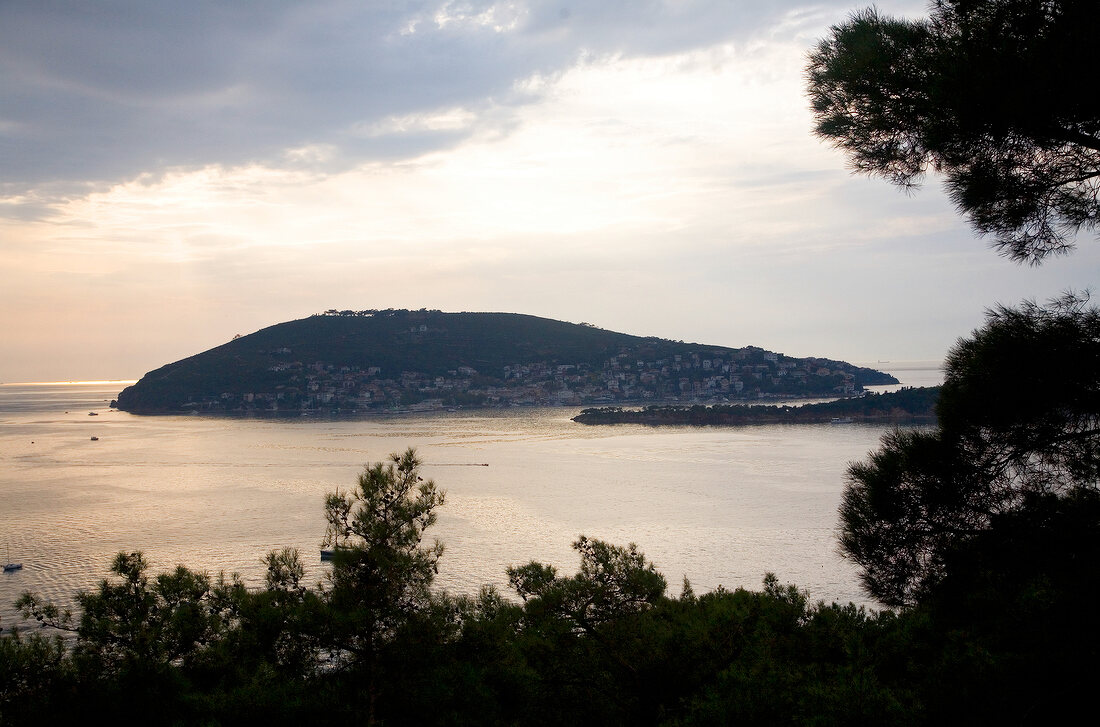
[(613, 581), (139, 639), (36, 679), (382, 573), (131, 623), (578, 632), (1019, 419), (993, 94)]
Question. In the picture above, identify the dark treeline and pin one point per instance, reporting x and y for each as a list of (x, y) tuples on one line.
[(220, 655), (606, 646), (910, 405)]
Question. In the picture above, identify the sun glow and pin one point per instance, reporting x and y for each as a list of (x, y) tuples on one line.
[(586, 187), (616, 147)]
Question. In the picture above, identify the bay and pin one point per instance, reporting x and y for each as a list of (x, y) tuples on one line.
[(719, 505)]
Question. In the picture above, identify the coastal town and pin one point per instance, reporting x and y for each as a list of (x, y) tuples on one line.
[(705, 376)]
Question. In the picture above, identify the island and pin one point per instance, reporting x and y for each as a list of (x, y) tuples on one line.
[(420, 360), (910, 405)]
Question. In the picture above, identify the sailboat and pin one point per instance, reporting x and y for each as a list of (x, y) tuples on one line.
[(9, 566)]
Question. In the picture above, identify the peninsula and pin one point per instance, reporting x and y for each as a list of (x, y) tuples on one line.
[(382, 360), (907, 406)]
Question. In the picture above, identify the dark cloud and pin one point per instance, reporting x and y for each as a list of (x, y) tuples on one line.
[(108, 90)]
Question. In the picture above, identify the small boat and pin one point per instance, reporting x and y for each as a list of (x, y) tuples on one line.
[(9, 566), (841, 420), (328, 553), (95, 439), (92, 414)]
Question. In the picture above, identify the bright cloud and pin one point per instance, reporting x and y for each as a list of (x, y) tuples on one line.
[(182, 173)]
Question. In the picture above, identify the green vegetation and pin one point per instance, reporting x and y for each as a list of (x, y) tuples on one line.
[(908, 406), (986, 529), (381, 360), (994, 458), (381, 578), (991, 94)]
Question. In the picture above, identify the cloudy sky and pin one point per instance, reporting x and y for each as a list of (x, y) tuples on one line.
[(172, 174)]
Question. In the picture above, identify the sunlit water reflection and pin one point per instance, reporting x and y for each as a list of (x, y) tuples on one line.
[(720, 505)]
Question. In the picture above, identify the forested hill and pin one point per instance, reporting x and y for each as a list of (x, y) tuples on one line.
[(429, 359), (908, 406)]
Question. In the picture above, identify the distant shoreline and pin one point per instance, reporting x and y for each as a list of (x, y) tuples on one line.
[(910, 405), (369, 413), (95, 382)]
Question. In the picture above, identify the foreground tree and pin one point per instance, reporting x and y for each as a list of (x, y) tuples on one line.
[(1019, 423), (181, 646), (992, 94), (382, 572), (36, 677), (580, 633), (131, 625), (613, 581), (141, 640)]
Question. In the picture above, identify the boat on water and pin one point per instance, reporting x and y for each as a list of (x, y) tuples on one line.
[(92, 414), (328, 553), (9, 566), (841, 420)]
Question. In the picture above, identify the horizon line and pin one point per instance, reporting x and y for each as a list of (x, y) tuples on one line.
[(68, 383)]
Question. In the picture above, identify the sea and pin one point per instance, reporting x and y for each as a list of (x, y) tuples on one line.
[(720, 506)]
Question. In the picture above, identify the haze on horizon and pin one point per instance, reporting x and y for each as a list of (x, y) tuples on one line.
[(174, 174)]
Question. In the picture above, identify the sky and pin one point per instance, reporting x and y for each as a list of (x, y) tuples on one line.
[(173, 174)]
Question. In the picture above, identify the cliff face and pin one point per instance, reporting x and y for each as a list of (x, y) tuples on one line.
[(431, 359)]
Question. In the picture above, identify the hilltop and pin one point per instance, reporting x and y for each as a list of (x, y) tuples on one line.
[(429, 359)]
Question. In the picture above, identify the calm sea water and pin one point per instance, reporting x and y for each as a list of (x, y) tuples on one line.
[(718, 505)]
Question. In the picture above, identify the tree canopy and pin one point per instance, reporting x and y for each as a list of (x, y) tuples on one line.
[(612, 581), (1019, 419), (382, 573), (995, 95)]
